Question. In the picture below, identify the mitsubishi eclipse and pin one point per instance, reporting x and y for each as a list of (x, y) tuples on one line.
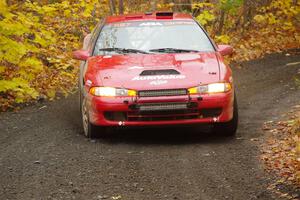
[(155, 69)]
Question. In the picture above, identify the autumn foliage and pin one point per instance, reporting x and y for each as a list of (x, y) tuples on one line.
[(36, 42), (36, 39), (281, 153)]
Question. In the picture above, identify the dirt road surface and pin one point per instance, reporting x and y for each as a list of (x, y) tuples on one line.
[(44, 156)]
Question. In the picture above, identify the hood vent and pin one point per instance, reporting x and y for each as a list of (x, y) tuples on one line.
[(159, 72)]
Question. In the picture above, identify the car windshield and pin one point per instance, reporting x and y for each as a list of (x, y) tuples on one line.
[(152, 37)]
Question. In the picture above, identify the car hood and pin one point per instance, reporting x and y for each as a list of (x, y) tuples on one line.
[(154, 71)]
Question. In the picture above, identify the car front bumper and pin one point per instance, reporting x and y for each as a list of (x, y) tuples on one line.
[(125, 111)]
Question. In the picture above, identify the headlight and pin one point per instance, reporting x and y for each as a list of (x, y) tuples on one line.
[(211, 88), (111, 92)]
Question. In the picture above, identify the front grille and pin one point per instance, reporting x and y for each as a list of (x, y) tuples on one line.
[(162, 106), (157, 93), (164, 111)]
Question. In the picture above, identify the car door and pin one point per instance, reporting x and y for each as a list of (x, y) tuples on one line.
[(88, 44)]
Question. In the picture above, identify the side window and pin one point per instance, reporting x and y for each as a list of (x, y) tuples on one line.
[(94, 36), (86, 41), (89, 39)]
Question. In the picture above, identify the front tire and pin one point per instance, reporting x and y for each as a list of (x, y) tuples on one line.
[(89, 129), (228, 128)]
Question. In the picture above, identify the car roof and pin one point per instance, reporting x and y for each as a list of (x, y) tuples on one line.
[(148, 16)]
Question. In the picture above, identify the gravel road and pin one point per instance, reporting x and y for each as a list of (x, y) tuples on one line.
[(43, 154)]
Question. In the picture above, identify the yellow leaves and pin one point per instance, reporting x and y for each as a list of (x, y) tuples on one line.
[(297, 37), (280, 11), (3, 7), (50, 9), (222, 39), (88, 10), (51, 93), (21, 33), (280, 4), (3, 4), (259, 18), (202, 5), (2, 69), (39, 40), (10, 50), (272, 19), (67, 13), (32, 63), (275, 28), (205, 17), (267, 18), (30, 33), (65, 5), (288, 26), (11, 27), (21, 88)]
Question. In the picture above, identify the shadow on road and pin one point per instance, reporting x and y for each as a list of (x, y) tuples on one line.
[(163, 136)]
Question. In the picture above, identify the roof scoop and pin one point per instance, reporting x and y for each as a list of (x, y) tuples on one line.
[(159, 72), (164, 15)]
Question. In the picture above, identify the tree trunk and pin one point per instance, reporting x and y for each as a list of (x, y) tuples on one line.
[(121, 7), (112, 6), (153, 5), (247, 10), (221, 23), (182, 5), (250, 8)]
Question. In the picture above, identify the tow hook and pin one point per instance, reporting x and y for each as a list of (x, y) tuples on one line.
[(121, 123), (215, 119)]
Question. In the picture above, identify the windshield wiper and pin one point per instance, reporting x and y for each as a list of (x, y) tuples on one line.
[(172, 50), (124, 50)]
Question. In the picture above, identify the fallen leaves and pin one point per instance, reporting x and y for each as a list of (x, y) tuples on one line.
[(281, 152)]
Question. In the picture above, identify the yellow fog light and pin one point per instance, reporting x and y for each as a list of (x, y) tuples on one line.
[(131, 93), (193, 90)]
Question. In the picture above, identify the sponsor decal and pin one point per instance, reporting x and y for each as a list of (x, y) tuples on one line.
[(150, 24), (136, 67), (120, 24), (158, 77), (158, 82), (179, 23), (108, 56)]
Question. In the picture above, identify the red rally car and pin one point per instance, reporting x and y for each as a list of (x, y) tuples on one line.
[(155, 69)]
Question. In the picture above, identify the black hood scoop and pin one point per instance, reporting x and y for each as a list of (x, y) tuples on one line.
[(159, 72)]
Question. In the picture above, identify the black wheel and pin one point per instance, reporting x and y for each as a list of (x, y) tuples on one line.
[(228, 128), (89, 130)]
